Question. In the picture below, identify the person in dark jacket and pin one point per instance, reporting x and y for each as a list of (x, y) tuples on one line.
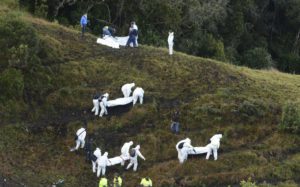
[(106, 31), (133, 33), (88, 149), (175, 122)]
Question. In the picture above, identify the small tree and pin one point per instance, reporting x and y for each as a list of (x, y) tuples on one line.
[(257, 58)]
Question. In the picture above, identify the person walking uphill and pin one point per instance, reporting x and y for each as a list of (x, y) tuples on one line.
[(83, 24), (133, 33)]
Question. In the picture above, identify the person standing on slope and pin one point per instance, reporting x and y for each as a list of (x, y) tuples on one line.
[(126, 89), (138, 94), (96, 104), (95, 156), (171, 42), (134, 153), (79, 138), (214, 146), (102, 163), (125, 151), (133, 33), (83, 24)]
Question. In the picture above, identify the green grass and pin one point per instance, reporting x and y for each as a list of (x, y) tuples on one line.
[(213, 97)]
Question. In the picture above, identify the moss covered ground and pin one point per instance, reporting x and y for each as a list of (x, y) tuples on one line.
[(243, 104)]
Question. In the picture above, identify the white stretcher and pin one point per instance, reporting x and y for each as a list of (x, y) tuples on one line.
[(119, 101), (117, 160), (199, 150)]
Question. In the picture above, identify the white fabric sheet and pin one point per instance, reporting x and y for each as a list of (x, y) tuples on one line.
[(119, 101), (108, 41), (114, 42), (198, 150), (116, 160)]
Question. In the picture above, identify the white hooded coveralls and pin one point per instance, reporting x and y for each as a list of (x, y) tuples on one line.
[(102, 163), (136, 38), (138, 93), (134, 160), (103, 105), (186, 148), (96, 106), (171, 42), (214, 146), (125, 151), (81, 134), (97, 153), (126, 89)]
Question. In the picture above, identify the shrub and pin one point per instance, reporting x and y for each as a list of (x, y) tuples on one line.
[(257, 58), (11, 84), (247, 183), (18, 42), (290, 119)]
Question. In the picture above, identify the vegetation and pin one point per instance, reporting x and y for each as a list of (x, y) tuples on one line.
[(227, 30), (49, 78), (290, 120)]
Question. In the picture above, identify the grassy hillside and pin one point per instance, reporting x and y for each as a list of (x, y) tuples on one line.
[(245, 105)]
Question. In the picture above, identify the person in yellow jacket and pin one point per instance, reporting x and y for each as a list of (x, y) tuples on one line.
[(117, 182), (146, 182), (103, 182)]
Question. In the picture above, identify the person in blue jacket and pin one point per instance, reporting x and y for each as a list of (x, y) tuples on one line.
[(83, 23)]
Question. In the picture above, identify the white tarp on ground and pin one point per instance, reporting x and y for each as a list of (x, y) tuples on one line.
[(117, 160), (122, 40), (113, 42), (119, 101)]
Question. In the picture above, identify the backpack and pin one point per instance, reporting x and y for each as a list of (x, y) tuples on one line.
[(93, 157), (132, 153), (180, 146)]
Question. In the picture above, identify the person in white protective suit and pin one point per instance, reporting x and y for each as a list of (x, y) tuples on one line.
[(102, 163), (126, 89), (134, 153), (103, 104), (79, 139), (134, 26), (138, 93), (214, 146), (125, 151), (96, 104), (171, 42), (183, 147), (96, 155)]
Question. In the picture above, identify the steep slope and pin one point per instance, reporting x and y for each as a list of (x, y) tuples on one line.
[(245, 105)]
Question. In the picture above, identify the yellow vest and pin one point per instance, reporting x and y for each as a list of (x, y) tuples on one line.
[(146, 183), (117, 182), (103, 182)]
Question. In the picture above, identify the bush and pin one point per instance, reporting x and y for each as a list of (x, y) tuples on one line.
[(247, 183), (257, 58), (290, 119), (11, 84), (18, 42), (289, 63), (203, 44)]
